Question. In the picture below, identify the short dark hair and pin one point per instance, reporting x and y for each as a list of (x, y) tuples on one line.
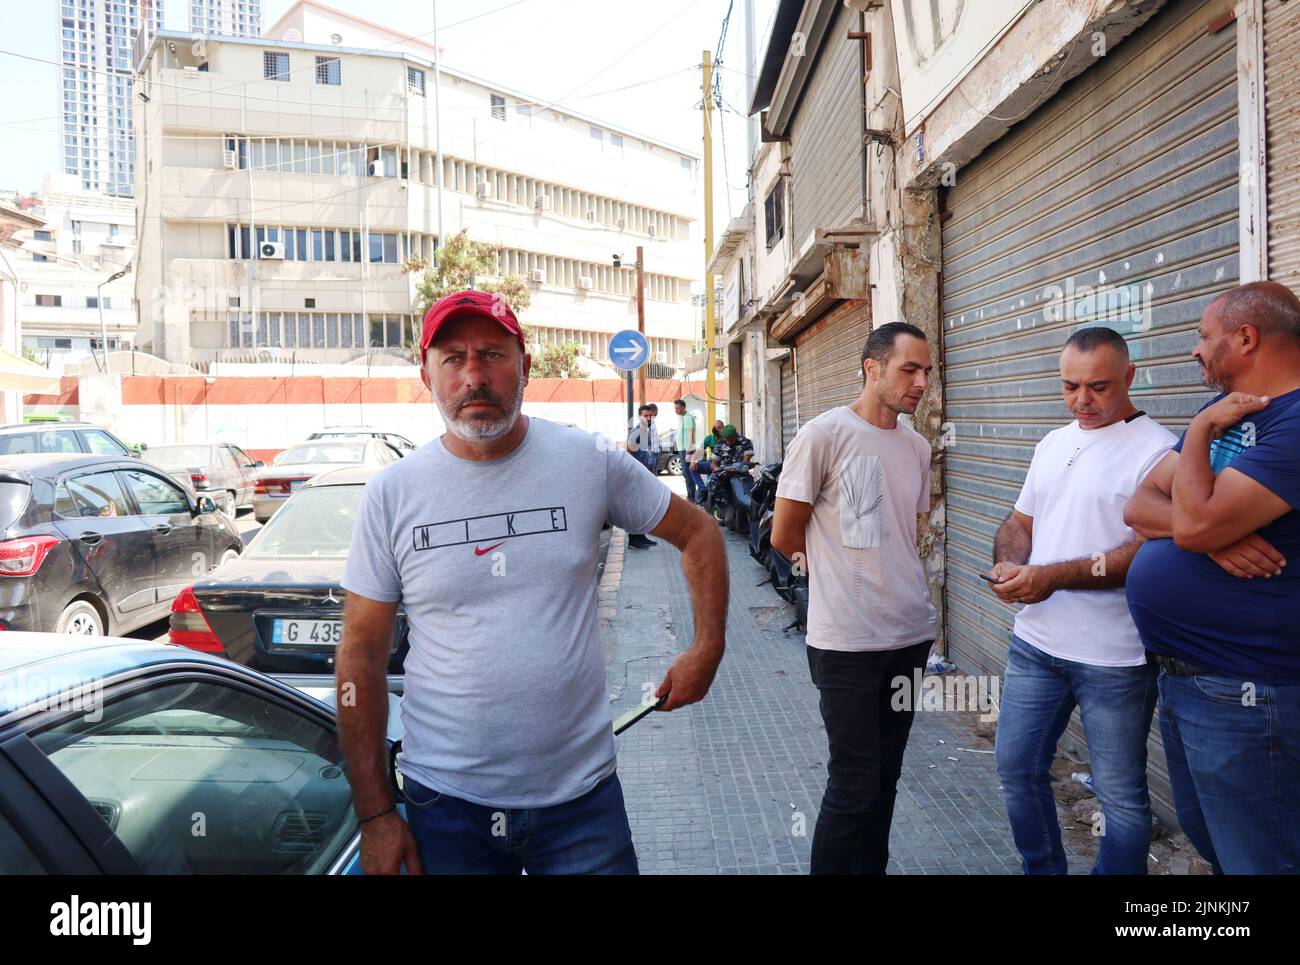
[(1270, 306), (880, 343), (1094, 337), (644, 407), (679, 401)]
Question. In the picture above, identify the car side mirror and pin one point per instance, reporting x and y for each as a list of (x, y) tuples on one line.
[(206, 505), (258, 464)]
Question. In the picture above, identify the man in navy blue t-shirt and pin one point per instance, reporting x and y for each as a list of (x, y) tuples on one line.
[(1212, 594)]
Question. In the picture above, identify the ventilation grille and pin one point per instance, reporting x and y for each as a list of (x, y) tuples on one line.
[(299, 831)]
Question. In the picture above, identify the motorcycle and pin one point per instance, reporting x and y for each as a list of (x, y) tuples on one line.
[(761, 511), (721, 500)]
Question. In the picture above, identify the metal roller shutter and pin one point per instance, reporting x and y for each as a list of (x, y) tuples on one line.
[(1282, 110), (829, 361), (789, 406), (1126, 181), (826, 188)]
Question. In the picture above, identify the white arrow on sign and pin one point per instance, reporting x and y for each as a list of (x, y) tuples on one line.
[(632, 350)]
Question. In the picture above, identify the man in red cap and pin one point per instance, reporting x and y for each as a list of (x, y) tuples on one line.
[(488, 538)]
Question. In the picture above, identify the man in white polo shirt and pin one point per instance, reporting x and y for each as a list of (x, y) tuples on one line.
[(1064, 551)]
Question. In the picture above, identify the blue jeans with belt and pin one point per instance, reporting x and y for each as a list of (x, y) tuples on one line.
[(586, 836), (1039, 695), (1233, 747)]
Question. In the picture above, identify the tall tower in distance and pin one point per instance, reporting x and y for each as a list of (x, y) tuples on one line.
[(97, 41), (226, 18)]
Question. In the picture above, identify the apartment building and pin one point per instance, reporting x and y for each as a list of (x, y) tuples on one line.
[(284, 182), (96, 42), (78, 240), (227, 18)]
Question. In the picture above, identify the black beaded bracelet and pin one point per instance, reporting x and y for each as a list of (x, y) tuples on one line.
[(391, 807)]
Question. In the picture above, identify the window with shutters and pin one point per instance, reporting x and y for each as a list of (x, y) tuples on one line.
[(774, 216)]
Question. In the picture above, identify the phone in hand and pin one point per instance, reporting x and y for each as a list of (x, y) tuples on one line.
[(992, 579), (635, 714)]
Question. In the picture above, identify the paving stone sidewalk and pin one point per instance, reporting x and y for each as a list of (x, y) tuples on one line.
[(732, 784)]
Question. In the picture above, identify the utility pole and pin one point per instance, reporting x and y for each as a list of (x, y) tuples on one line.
[(709, 384), (640, 316)]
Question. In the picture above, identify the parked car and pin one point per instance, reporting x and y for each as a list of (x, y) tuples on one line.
[(401, 443), (64, 437), (279, 606), (291, 469), (100, 544), (115, 748), (222, 471), (669, 461)]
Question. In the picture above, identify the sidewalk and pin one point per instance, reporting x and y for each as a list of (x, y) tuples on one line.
[(732, 784)]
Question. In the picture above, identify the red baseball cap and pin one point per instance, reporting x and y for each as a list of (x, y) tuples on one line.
[(470, 302)]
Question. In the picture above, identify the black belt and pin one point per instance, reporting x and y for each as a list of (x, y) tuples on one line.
[(1179, 668)]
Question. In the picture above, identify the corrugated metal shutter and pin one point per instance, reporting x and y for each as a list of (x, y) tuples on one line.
[(789, 406), (1127, 178), (1282, 114), (829, 363), (826, 137)]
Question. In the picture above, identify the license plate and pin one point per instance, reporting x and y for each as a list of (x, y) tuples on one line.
[(324, 633)]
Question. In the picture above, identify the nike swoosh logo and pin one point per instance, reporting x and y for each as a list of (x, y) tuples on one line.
[(480, 552)]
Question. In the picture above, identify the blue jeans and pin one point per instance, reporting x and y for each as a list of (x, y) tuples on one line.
[(687, 475), (701, 478), (1233, 748), (1039, 695), (588, 835)]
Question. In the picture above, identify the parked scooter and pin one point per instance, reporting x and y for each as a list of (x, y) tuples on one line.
[(721, 500), (762, 505)]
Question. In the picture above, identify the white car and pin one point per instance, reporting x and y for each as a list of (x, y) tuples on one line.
[(292, 468), (403, 445)]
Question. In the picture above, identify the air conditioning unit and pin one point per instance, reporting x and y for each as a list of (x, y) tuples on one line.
[(229, 158), (483, 189), (538, 275), (377, 169), (591, 216), (622, 223), (542, 202), (652, 230), (271, 251), (584, 282)]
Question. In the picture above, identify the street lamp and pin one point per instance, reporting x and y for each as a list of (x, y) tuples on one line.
[(99, 302)]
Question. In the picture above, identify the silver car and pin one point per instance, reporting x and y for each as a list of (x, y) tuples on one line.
[(222, 471), (292, 468)]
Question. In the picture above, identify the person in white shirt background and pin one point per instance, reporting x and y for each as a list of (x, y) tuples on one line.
[(1064, 551)]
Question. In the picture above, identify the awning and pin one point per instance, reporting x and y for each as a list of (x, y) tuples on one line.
[(20, 375)]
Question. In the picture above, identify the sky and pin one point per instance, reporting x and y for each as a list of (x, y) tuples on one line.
[(630, 63)]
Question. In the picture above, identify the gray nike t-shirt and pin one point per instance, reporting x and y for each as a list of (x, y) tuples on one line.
[(494, 563)]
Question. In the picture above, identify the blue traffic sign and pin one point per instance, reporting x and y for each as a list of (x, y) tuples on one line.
[(628, 350)]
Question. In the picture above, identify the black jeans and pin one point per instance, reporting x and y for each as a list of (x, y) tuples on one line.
[(867, 737)]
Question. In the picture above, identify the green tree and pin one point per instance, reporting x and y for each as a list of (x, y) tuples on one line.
[(558, 361), (461, 264)]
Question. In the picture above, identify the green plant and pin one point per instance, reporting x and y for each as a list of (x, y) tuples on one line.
[(461, 264), (559, 361)]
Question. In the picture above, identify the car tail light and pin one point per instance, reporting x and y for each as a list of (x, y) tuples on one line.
[(189, 627), (23, 557), (275, 487), (198, 479)]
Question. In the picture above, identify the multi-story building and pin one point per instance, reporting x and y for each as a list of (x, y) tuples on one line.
[(96, 47), (63, 264), (283, 184), (226, 18)]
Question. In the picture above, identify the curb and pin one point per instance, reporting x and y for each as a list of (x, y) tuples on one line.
[(610, 579)]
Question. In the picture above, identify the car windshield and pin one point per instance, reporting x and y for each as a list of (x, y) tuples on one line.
[(327, 452), (179, 456), (316, 522)]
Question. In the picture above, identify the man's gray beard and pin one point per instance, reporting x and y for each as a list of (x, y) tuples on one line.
[(484, 430)]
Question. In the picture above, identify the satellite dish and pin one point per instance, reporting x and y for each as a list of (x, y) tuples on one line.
[(293, 35), (336, 39)]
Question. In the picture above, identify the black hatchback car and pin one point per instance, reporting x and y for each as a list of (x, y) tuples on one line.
[(100, 545)]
